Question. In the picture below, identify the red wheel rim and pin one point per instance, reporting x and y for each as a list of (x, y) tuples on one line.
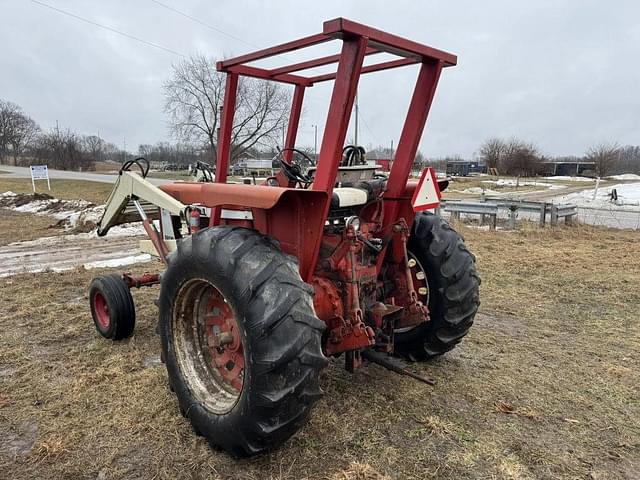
[(208, 345), (223, 339), (101, 310)]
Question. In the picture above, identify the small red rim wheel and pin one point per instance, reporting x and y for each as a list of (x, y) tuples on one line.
[(112, 307), (209, 345), (102, 311)]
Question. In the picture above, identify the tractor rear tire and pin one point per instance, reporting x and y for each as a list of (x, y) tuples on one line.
[(453, 289), (112, 307), (240, 339)]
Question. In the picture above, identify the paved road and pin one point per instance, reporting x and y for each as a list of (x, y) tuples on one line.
[(24, 172)]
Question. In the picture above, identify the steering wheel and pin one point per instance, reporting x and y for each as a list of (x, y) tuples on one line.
[(293, 171)]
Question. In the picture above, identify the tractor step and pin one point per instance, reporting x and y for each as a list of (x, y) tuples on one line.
[(394, 364)]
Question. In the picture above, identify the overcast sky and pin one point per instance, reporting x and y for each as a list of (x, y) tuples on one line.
[(562, 74)]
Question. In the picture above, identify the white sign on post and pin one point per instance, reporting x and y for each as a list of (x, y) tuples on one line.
[(39, 172), (427, 194)]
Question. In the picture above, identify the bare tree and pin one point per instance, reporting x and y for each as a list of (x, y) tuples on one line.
[(62, 150), (520, 158), (94, 146), (605, 156), (492, 151), (194, 96), (17, 130), (629, 161)]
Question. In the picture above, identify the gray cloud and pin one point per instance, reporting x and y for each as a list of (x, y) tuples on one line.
[(563, 74)]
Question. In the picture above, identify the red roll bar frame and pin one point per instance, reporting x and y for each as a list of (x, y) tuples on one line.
[(358, 41)]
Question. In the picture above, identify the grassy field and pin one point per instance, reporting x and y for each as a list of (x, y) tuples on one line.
[(19, 227), (545, 386), (94, 192)]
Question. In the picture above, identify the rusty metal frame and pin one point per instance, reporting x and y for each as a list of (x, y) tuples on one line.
[(358, 41)]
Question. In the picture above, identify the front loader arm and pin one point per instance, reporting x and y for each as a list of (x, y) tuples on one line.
[(130, 187)]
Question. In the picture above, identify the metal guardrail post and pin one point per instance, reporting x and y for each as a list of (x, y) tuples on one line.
[(543, 215), (568, 220), (513, 211), (554, 215)]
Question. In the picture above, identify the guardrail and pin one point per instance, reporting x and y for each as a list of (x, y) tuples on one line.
[(490, 207)]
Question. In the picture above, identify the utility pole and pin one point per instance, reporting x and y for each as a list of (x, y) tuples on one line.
[(356, 134), (315, 142), (124, 149), (391, 149)]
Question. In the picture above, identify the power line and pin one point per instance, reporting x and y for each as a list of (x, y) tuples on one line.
[(366, 125), (197, 20), (105, 27)]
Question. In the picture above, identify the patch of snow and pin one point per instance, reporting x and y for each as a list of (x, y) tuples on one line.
[(512, 182), (625, 176), (70, 213), (125, 230), (478, 190), (571, 179), (118, 262), (628, 197)]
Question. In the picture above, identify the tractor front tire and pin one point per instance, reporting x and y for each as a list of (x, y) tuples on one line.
[(453, 289), (112, 307), (240, 339)]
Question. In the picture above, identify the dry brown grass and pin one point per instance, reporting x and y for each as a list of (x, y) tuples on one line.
[(18, 227), (94, 192), (545, 385)]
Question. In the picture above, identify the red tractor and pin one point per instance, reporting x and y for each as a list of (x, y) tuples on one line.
[(265, 282)]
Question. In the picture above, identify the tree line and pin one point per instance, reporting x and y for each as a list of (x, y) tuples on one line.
[(516, 157), (194, 94), (23, 142)]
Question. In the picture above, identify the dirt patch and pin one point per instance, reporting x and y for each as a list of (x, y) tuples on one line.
[(544, 387), (18, 440), (71, 215), (66, 252), (20, 227)]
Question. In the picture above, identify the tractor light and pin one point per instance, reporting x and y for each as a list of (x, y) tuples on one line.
[(353, 221)]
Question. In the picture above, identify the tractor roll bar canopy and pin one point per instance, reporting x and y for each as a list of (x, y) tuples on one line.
[(358, 41), (339, 28)]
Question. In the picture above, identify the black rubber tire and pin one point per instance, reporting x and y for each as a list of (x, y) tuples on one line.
[(454, 283), (281, 336), (122, 310)]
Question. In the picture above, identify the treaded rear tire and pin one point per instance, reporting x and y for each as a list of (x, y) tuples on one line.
[(121, 308), (281, 337), (453, 282)]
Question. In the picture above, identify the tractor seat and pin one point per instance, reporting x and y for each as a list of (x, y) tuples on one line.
[(348, 197), (356, 195)]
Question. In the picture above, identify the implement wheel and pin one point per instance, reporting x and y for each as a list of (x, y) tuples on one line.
[(240, 338), (112, 307), (445, 278)]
